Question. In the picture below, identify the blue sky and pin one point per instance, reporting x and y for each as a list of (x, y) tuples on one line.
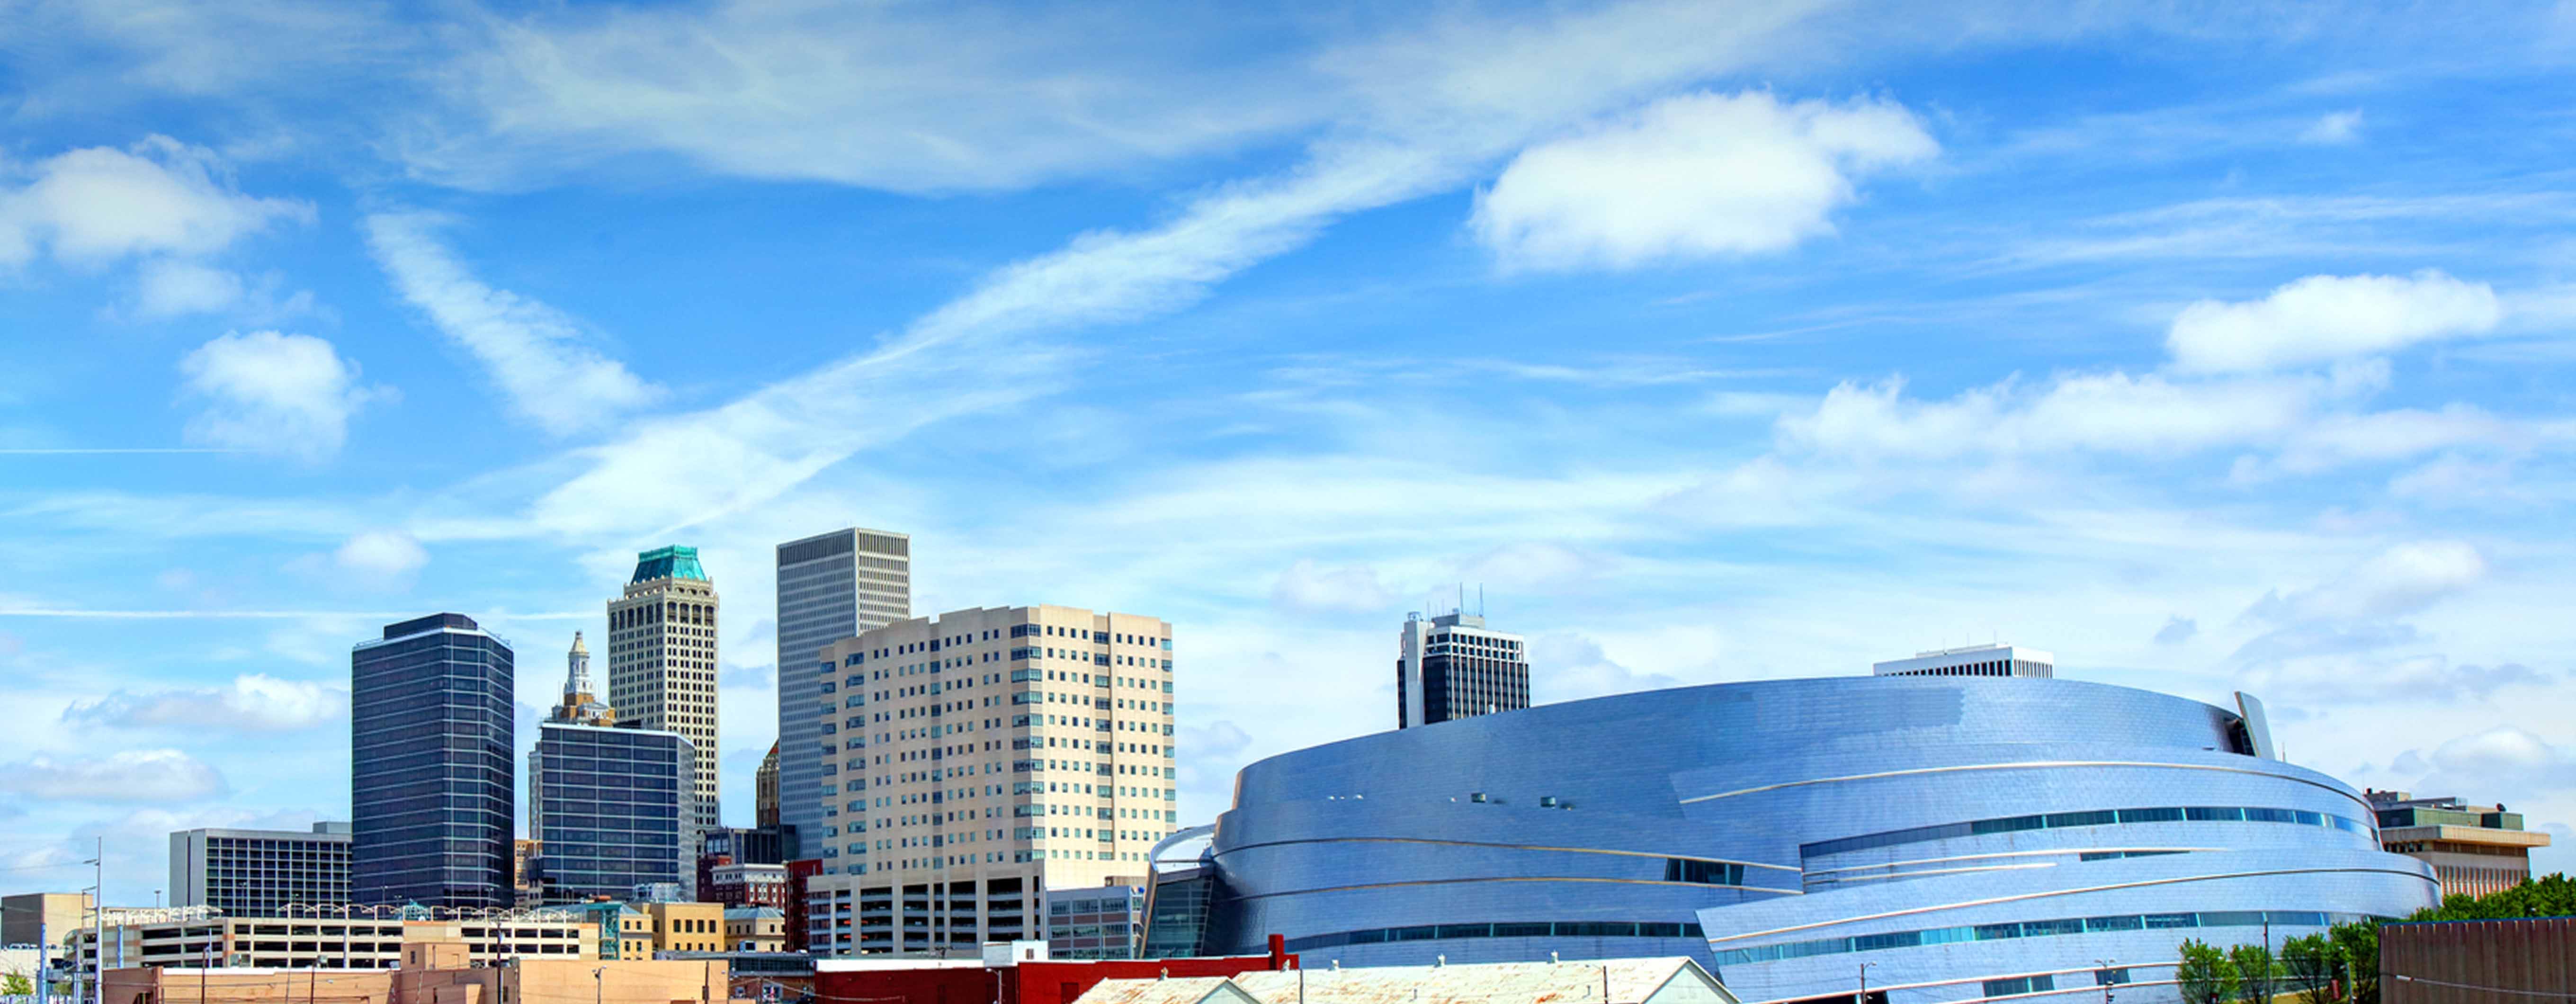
[(2211, 347)]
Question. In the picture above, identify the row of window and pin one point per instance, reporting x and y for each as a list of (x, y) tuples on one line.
[(2097, 817), (2031, 929), (1540, 929)]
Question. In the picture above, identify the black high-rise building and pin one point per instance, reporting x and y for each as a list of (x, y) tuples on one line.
[(1452, 666), (430, 765)]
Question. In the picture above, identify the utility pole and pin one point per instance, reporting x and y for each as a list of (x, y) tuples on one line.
[(98, 922), (1864, 982)]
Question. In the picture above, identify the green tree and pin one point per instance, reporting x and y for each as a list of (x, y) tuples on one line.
[(2206, 976), (2358, 944), (2308, 967), (2253, 972), (17, 985)]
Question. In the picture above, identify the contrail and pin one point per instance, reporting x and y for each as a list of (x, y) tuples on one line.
[(257, 614), (76, 450)]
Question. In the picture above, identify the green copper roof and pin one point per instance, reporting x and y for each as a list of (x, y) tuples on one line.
[(669, 563)]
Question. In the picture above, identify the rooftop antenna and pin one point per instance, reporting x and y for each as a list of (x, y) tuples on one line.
[(1480, 599)]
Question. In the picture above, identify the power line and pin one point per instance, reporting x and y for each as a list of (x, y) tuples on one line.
[(2476, 986)]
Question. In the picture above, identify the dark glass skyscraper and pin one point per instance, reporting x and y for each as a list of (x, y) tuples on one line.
[(430, 766), (611, 806)]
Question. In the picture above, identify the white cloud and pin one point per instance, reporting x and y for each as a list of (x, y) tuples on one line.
[(914, 98), (285, 394), (381, 556), (97, 204), (1568, 666), (253, 703), (2334, 128), (537, 354), (2325, 317), (1693, 176), (168, 287), (1352, 589), (2109, 412), (2400, 580), (163, 775)]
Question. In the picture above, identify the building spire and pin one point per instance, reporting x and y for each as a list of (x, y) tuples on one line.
[(577, 681), (581, 704)]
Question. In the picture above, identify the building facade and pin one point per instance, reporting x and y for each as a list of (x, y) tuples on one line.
[(1096, 923), (1954, 834), (1972, 660), (764, 791), (613, 809), (686, 927), (310, 939), (1452, 666), (830, 587), (432, 759), (612, 806), (259, 871), (662, 643), (743, 884), (985, 757), (2474, 849), (755, 929)]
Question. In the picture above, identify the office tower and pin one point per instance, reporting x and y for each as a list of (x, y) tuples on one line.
[(662, 660), (830, 587), (1452, 666), (764, 791), (258, 872), (611, 806), (430, 765), (2475, 850), (1973, 660), (986, 757), (1097, 923)]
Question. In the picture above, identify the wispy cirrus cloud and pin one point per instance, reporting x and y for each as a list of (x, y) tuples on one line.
[(545, 365), (156, 775), (254, 702)]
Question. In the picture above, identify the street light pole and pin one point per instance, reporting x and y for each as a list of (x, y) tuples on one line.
[(1864, 982), (2105, 974)]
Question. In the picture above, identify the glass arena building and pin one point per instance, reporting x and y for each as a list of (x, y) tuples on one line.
[(1946, 838)]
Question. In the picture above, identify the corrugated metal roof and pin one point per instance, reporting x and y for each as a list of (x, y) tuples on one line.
[(1185, 990)]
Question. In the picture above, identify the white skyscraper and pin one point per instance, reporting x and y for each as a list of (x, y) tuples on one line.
[(985, 758), (662, 659), (830, 587), (1973, 660)]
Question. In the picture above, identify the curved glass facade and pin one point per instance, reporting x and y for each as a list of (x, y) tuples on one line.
[(1958, 834)]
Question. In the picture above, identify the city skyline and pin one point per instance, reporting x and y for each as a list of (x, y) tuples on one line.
[(2211, 352)]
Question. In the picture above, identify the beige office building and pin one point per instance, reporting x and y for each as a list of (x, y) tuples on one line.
[(2475, 850), (984, 757), (662, 659), (43, 918)]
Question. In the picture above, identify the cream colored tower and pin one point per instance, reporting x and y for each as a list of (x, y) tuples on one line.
[(986, 757), (662, 658)]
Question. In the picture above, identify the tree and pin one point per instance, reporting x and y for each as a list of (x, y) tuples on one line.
[(2206, 976), (2308, 966), (2358, 943), (17, 985), (2253, 972)]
